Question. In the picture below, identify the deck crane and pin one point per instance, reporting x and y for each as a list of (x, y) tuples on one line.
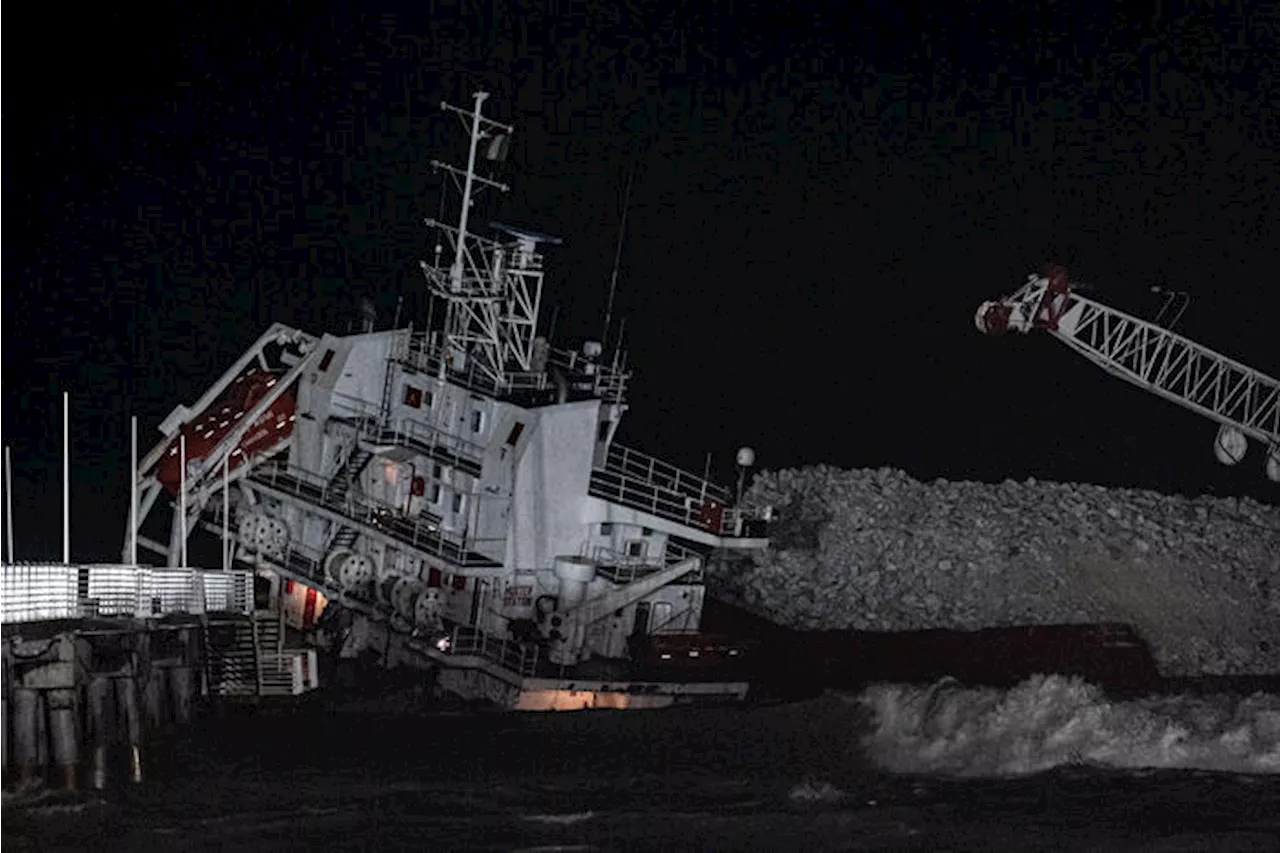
[(1244, 402)]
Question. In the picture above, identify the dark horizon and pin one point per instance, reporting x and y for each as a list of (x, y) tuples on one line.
[(820, 204)]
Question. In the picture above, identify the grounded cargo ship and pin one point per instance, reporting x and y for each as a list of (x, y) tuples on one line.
[(453, 497)]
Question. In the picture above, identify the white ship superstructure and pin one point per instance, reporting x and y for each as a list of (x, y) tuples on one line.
[(457, 492)]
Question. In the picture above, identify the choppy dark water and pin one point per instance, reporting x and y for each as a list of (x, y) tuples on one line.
[(782, 777)]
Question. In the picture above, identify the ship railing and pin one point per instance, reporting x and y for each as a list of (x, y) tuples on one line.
[(606, 380), (39, 591), (623, 575), (377, 427), (645, 469), (424, 352), (521, 658), (426, 532), (623, 568), (349, 406), (661, 499), (647, 497), (429, 440), (643, 482)]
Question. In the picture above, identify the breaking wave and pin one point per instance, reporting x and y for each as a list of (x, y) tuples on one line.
[(1049, 721)]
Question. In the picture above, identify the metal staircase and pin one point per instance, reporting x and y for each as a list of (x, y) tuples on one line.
[(341, 484), (346, 537), (247, 658), (340, 488)]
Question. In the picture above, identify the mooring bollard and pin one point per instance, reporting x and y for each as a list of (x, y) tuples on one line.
[(127, 702), (62, 730), (99, 694)]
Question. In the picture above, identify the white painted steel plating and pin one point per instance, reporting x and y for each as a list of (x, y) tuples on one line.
[(1151, 357)]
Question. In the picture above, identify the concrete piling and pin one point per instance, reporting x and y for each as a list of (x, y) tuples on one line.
[(63, 733), (26, 733), (94, 694), (153, 698), (42, 732), (99, 698), (130, 724), (180, 692), (6, 722)]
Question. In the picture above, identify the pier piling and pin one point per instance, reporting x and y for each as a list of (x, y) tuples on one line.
[(26, 734), (99, 695), (63, 734), (130, 724)]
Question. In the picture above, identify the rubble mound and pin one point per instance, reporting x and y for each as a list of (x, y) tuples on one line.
[(876, 550)]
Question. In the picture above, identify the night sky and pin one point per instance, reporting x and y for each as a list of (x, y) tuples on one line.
[(822, 198)]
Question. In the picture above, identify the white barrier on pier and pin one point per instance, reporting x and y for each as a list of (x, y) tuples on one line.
[(39, 591)]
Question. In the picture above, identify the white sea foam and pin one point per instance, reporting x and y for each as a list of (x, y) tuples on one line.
[(1048, 721)]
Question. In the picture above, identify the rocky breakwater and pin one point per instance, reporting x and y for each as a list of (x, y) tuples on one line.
[(1199, 578)]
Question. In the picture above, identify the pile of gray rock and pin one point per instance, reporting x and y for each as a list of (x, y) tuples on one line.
[(877, 550)]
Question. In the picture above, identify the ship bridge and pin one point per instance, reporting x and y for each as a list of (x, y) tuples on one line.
[(556, 375)]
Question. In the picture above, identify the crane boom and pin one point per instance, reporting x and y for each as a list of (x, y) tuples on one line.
[(1242, 400)]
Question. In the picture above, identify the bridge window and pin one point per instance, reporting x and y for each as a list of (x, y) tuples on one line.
[(459, 501), (326, 360), (435, 494), (635, 548), (413, 396), (602, 434), (477, 420), (515, 434), (606, 528)]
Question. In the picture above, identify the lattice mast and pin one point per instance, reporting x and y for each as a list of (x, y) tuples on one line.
[(1243, 401), (492, 290)]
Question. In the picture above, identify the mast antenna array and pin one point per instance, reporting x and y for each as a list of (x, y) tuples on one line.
[(492, 290)]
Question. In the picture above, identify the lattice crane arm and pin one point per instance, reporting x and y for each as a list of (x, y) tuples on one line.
[(1243, 401)]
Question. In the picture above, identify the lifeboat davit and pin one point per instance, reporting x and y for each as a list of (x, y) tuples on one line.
[(224, 414)]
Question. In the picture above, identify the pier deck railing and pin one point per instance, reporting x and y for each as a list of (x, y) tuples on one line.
[(40, 591)]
